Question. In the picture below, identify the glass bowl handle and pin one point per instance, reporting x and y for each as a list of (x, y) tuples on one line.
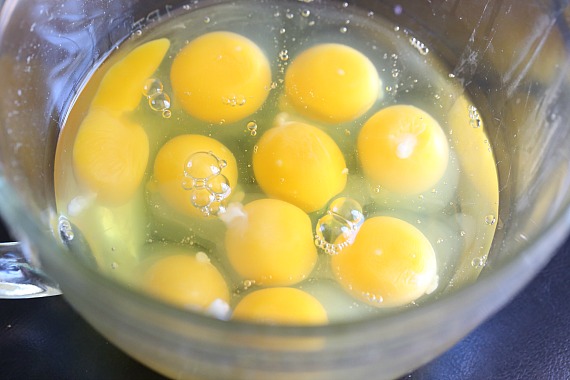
[(19, 278)]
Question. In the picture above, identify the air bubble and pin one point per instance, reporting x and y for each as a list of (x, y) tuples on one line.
[(65, 229), (305, 13), (206, 20), (478, 262), (343, 29), (252, 128), (420, 47), (284, 55), (337, 229), (159, 102), (474, 117), (282, 31), (166, 114), (395, 73), (152, 86), (208, 186), (349, 209), (490, 219), (289, 15)]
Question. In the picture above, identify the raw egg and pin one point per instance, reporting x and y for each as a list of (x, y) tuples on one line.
[(195, 174), (403, 149), (332, 83), (280, 306), (221, 77), (301, 164), (391, 263), (271, 243)]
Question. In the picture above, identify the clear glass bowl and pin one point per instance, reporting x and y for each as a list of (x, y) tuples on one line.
[(514, 54)]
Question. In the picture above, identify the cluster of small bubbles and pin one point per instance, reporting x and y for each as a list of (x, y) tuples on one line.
[(289, 15), (284, 55), (65, 229), (395, 72), (337, 229), (419, 45), (255, 147), (234, 100), (343, 29), (186, 7), (373, 297), (490, 219), (248, 284), (209, 187), (305, 12), (158, 100), (474, 117), (273, 85), (252, 128), (451, 75), (462, 233), (478, 262)]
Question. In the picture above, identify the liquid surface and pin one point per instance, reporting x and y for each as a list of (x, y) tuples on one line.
[(246, 162)]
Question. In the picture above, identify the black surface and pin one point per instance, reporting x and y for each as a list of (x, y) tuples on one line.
[(529, 339)]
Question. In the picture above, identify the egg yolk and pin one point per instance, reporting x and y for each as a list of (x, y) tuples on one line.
[(332, 83), (391, 263), (183, 187), (186, 280), (301, 164), (121, 87), (271, 243), (221, 77), (403, 149), (280, 306), (110, 156)]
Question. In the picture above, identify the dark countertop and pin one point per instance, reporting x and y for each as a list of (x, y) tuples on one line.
[(529, 339)]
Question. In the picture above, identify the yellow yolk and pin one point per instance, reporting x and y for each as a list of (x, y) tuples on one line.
[(110, 156), (212, 161), (403, 149), (280, 306), (186, 280), (391, 263), (121, 87), (221, 77), (271, 243), (333, 83), (300, 164)]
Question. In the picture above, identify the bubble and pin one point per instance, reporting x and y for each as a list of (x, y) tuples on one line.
[(305, 13), (289, 15), (395, 73), (284, 55), (490, 219), (202, 165), (219, 186), (252, 128), (343, 29), (282, 31), (424, 50), (159, 102), (474, 117), (209, 188), (337, 229), (349, 209), (166, 114), (65, 229), (152, 86), (478, 262), (206, 20)]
